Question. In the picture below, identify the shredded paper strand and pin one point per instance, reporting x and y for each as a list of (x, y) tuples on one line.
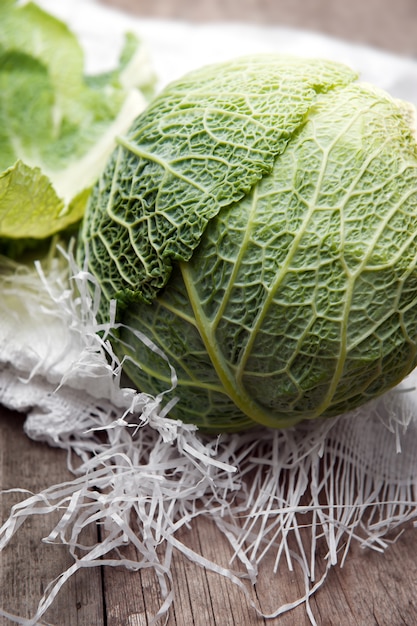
[(143, 476)]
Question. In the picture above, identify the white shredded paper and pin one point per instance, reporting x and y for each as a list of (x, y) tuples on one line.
[(143, 476)]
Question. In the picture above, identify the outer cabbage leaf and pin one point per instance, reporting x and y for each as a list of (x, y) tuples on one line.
[(198, 147), (30, 206), (54, 120), (301, 299)]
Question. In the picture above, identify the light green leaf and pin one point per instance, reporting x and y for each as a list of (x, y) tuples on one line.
[(27, 29), (58, 122), (30, 207)]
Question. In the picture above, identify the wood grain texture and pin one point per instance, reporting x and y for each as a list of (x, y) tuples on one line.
[(28, 565), (370, 590)]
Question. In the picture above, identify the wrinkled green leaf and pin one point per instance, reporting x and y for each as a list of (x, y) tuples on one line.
[(199, 146), (300, 297)]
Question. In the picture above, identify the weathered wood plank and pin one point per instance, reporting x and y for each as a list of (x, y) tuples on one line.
[(27, 565), (371, 589)]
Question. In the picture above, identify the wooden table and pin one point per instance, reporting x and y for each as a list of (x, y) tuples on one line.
[(370, 590)]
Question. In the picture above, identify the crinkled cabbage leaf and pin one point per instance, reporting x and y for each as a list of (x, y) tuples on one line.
[(258, 224)]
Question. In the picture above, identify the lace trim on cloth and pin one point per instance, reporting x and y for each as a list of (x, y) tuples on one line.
[(143, 476)]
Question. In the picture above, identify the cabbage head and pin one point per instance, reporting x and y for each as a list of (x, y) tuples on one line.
[(258, 224)]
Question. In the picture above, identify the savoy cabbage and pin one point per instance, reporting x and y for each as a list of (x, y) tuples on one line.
[(258, 224)]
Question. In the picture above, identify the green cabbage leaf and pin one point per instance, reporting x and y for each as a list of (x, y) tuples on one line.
[(57, 125), (258, 224)]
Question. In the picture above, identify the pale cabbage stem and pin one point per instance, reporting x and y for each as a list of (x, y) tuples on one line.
[(281, 275), (378, 232), (235, 116), (237, 264), (149, 156), (193, 380), (236, 392), (349, 291), (104, 240)]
